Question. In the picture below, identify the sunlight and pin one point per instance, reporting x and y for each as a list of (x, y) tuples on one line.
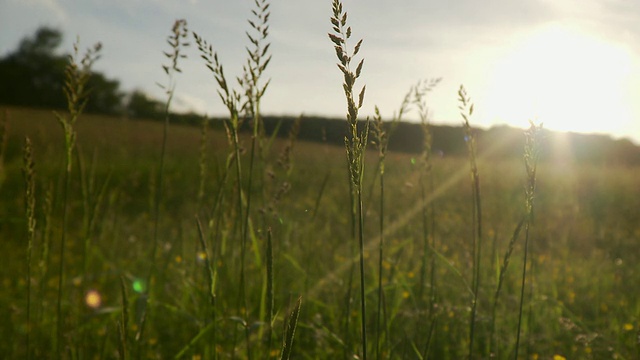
[(565, 79)]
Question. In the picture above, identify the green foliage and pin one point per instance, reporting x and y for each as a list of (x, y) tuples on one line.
[(583, 221), (142, 107), (33, 74)]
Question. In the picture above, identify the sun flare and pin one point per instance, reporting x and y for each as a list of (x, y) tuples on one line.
[(566, 79)]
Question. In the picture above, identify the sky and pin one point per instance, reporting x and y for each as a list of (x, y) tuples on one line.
[(573, 65)]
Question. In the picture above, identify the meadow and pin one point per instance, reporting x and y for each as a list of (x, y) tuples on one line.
[(141, 239)]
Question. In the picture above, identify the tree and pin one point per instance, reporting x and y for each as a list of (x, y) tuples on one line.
[(43, 44), (33, 75), (105, 96), (141, 106)]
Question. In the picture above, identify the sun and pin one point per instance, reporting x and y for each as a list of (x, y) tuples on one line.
[(564, 78)]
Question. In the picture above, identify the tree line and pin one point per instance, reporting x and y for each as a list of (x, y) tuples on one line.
[(496, 143)]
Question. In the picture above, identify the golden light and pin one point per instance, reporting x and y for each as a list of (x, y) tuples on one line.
[(93, 299), (201, 256), (564, 78)]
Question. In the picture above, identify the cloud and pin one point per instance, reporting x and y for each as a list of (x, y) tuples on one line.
[(51, 7), (22, 18), (184, 103), (37, 9)]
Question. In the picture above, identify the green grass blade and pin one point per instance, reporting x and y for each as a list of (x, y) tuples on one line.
[(290, 331)]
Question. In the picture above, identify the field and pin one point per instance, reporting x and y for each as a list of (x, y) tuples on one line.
[(581, 299), (137, 239)]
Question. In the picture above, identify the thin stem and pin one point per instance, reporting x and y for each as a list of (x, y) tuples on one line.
[(270, 292), (160, 182), (503, 270), (176, 40), (533, 139), (348, 296), (466, 110), (30, 202), (522, 287), (211, 279), (380, 265), (75, 89), (363, 306), (65, 212), (241, 306)]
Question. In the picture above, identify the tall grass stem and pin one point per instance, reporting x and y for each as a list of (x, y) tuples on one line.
[(30, 207), (77, 74), (355, 142), (533, 140), (466, 110)]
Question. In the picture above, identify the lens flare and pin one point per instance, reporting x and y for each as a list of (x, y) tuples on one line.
[(93, 299), (138, 286)]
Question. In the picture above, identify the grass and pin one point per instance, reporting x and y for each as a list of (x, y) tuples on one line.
[(30, 205), (533, 143), (258, 237), (583, 221), (76, 90), (466, 110), (356, 145)]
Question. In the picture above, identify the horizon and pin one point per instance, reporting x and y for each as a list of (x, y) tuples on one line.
[(572, 67)]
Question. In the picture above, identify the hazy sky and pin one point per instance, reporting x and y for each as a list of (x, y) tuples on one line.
[(571, 64)]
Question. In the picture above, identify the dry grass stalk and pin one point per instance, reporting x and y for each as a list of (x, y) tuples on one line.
[(466, 110), (355, 142), (533, 145), (77, 74), (28, 171)]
